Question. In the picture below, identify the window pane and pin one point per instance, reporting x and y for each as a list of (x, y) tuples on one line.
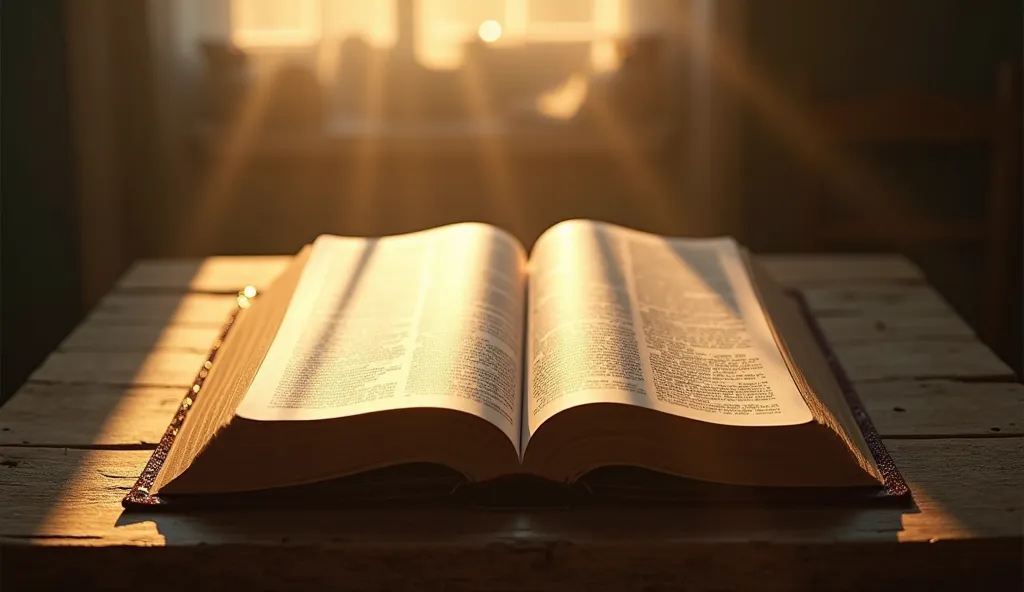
[(268, 22), (444, 26), (563, 11), (372, 21)]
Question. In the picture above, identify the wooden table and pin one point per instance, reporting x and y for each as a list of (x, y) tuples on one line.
[(78, 433)]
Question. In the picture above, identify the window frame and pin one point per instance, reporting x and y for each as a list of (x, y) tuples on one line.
[(311, 13)]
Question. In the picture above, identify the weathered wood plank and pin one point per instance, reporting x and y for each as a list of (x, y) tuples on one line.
[(863, 299), (931, 408), (162, 309), (964, 489), (158, 368), (969, 360), (220, 275), (89, 415), (524, 565), (805, 270), (105, 337), (952, 478), (881, 325)]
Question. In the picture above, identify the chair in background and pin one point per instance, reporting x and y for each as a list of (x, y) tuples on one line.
[(901, 118)]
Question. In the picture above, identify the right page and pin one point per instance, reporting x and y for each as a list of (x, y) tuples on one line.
[(675, 325)]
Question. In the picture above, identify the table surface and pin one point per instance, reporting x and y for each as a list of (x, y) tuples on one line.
[(76, 436)]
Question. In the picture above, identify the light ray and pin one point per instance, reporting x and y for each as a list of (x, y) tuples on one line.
[(632, 156), (230, 155), (357, 204), (411, 150), (494, 157), (793, 121)]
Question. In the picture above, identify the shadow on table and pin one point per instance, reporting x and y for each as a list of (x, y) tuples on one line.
[(792, 547), (88, 418)]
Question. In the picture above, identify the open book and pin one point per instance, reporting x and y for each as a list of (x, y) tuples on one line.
[(606, 347)]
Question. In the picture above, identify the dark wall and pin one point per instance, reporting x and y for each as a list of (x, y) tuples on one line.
[(849, 47), (40, 278), (841, 48)]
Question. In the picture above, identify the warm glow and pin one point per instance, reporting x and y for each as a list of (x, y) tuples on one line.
[(565, 100), (489, 31), (257, 23), (503, 188), (441, 27)]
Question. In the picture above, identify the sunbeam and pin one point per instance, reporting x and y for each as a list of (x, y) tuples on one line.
[(790, 118), (631, 155), (358, 207), (494, 159), (230, 155)]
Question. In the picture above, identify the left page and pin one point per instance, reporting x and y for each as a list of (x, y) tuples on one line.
[(428, 319)]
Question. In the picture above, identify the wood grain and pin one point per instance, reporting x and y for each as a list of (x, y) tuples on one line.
[(865, 298), (969, 360), (162, 309), (931, 408), (98, 336), (158, 368), (809, 270), (528, 564), (89, 415), (880, 325), (218, 275)]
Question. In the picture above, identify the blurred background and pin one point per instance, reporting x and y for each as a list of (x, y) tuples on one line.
[(183, 128)]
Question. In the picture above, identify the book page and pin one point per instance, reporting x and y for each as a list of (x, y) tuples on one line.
[(428, 319), (621, 316)]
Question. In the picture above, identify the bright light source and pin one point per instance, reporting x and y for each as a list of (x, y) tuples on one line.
[(489, 31)]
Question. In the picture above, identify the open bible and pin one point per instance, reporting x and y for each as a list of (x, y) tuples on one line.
[(604, 348)]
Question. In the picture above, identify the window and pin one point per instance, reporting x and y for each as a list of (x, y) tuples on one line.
[(441, 27), (271, 23), (520, 47), (563, 11)]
